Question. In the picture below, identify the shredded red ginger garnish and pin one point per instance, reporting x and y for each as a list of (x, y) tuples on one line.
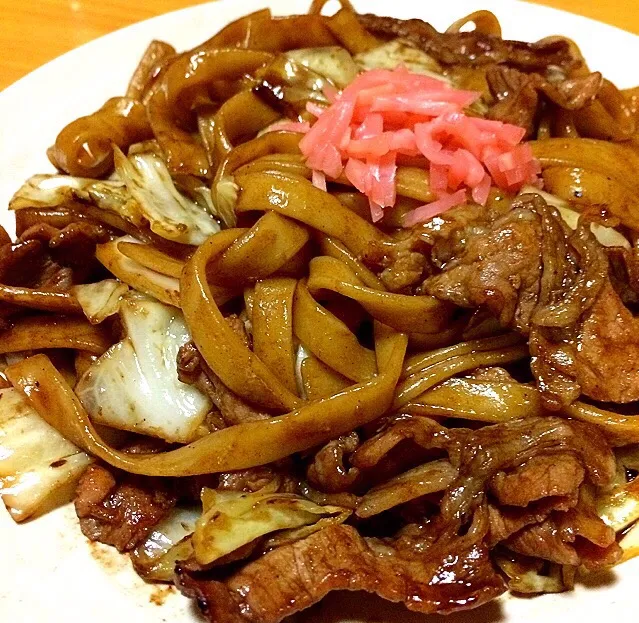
[(385, 114)]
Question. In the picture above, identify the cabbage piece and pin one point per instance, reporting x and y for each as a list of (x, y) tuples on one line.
[(155, 558), (39, 468), (232, 519), (607, 236), (334, 63), (619, 508), (144, 194), (134, 386), (396, 53), (525, 577), (169, 214), (630, 543), (101, 299), (53, 191), (226, 192)]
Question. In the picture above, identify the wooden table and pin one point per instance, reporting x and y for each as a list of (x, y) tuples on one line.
[(33, 32)]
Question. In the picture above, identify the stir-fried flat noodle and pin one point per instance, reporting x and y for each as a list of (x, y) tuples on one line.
[(282, 390)]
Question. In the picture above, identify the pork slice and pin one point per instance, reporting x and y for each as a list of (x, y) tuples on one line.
[(330, 472), (518, 95), (540, 477), (505, 521), (577, 536), (471, 48), (544, 541), (607, 352), (498, 267), (120, 509), (338, 558), (192, 369)]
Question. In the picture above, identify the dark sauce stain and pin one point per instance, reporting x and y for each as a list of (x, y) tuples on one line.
[(161, 593), (108, 557)]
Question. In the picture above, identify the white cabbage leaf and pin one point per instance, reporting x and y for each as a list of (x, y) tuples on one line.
[(143, 193), (232, 519), (170, 214), (53, 191), (225, 193), (39, 468), (169, 542), (101, 299), (398, 53), (607, 236), (619, 508), (334, 63), (134, 386), (526, 578)]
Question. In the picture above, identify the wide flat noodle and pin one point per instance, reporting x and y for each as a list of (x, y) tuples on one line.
[(237, 447)]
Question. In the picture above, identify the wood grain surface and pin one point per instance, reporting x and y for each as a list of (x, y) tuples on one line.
[(33, 32)]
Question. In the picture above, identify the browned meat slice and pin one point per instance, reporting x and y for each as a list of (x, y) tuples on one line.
[(592, 539), (256, 478), (500, 459), (624, 273), (120, 509), (28, 263), (507, 520), (607, 351), (483, 453), (233, 409), (338, 558), (575, 537), (471, 48), (518, 95), (540, 477), (500, 263), (599, 357), (543, 541), (329, 471), (546, 281), (193, 370), (402, 264)]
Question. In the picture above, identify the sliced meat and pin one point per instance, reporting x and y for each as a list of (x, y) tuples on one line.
[(256, 478), (607, 350), (471, 48), (194, 371), (540, 278), (540, 477), (233, 409), (498, 265), (519, 96), (28, 263), (624, 273), (544, 541), (507, 520), (338, 558), (497, 459), (329, 472), (120, 509), (403, 264), (575, 537), (593, 540), (483, 453)]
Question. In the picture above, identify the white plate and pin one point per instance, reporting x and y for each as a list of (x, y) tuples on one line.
[(48, 571)]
